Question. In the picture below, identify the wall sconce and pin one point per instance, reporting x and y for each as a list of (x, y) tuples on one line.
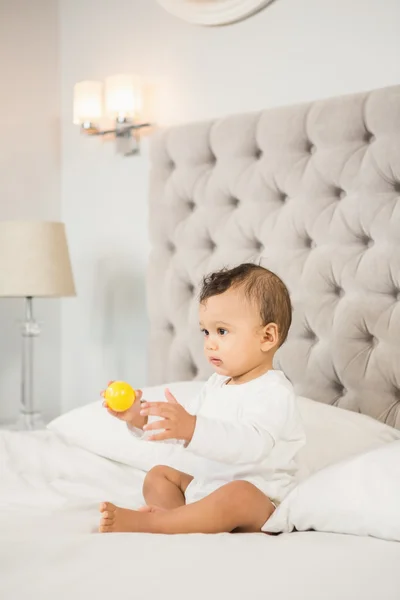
[(123, 104)]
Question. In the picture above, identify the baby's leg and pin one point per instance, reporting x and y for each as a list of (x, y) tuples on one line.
[(237, 506), (165, 487)]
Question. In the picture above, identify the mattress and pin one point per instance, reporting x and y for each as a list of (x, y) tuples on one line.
[(50, 548)]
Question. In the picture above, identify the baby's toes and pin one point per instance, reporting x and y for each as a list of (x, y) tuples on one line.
[(107, 507), (105, 529), (107, 518)]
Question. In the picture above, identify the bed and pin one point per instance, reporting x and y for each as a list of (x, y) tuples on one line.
[(313, 193)]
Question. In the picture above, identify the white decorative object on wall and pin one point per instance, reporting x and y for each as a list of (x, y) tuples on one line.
[(123, 104), (88, 97), (213, 12), (123, 97)]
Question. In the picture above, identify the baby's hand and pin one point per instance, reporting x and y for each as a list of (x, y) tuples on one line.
[(132, 415), (176, 422)]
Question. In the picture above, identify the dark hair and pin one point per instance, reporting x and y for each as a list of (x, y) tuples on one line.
[(261, 286)]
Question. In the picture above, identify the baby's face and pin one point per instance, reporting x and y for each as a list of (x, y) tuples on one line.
[(233, 333)]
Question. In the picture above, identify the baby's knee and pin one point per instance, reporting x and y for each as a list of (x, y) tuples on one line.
[(158, 471), (244, 493), (242, 488), (247, 494), (156, 476)]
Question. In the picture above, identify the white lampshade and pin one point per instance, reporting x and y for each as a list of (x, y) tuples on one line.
[(34, 260), (123, 96), (88, 101)]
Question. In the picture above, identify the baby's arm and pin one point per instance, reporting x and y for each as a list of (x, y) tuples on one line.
[(236, 442), (229, 442), (137, 421), (253, 437)]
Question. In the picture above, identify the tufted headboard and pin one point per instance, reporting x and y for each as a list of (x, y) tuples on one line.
[(313, 192)]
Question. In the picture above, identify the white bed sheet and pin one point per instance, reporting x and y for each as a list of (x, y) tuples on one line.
[(49, 495)]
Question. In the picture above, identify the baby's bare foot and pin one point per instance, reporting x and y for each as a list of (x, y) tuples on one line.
[(116, 519)]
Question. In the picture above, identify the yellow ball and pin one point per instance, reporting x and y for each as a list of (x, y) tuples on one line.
[(119, 396)]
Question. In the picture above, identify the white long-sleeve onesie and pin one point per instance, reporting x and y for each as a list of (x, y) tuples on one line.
[(250, 432)]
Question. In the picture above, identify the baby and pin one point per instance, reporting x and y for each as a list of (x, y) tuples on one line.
[(244, 423)]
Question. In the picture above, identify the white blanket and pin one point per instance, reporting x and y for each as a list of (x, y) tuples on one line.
[(49, 548)]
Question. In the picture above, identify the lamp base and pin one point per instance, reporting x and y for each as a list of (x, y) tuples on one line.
[(29, 418)]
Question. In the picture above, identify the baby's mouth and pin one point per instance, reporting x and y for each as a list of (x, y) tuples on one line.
[(215, 361)]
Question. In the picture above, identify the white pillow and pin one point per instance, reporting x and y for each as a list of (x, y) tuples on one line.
[(332, 434), (335, 433), (92, 428), (359, 496)]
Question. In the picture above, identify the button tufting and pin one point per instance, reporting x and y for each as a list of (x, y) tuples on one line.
[(283, 197), (311, 148), (369, 137), (191, 205), (371, 340), (309, 243), (258, 153), (171, 165), (211, 244), (171, 246), (396, 186), (258, 246), (190, 288), (170, 328), (338, 291), (367, 241), (339, 193), (310, 335), (339, 388), (234, 201)]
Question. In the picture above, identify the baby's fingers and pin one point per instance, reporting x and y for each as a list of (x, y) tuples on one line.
[(157, 425), (104, 391)]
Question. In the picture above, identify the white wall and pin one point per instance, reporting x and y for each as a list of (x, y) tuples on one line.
[(29, 179), (290, 52)]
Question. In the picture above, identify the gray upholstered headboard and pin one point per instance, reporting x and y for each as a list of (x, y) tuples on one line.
[(314, 191)]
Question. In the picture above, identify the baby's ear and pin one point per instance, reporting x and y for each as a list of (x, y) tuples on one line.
[(270, 337)]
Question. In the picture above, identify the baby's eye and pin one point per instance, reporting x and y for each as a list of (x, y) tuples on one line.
[(204, 332), (222, 331)]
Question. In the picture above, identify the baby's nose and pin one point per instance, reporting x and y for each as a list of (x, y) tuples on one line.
[(211, 344)]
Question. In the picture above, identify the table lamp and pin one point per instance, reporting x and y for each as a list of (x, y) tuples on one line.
[(34, 262)]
